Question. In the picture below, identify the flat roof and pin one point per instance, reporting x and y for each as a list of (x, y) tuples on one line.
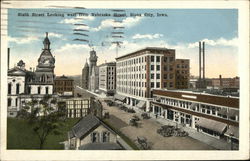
[(145, 49), (109, 63), (228, 101)]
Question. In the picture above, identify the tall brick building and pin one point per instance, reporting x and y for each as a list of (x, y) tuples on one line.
[(150, 68)]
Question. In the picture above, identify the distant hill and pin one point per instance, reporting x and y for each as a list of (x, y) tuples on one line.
[(77, 79)]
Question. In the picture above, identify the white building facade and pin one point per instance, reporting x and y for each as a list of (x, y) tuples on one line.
[(107, 78), (210, 114), (141, 71), (16, 86)]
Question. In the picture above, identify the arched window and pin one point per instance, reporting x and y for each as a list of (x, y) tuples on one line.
[(17, 88), (43, 78), (9, 102), (95, 137), (9, 88), (105, 136)]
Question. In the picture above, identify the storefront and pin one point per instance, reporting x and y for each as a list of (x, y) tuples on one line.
[(211, 127)]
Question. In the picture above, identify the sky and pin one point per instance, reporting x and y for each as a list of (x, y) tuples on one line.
[(179, 29)]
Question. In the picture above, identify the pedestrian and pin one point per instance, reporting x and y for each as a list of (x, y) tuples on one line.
[(156, 115)]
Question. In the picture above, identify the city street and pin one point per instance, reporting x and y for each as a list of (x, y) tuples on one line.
[(147, 128)]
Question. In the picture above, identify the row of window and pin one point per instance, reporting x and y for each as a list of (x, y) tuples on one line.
[(9, 102), (97, 137), (77, 113), (131, 76), (182, 71), (38, 90), (63, 89), (201, 108), (65, 83), (131, 84), (143, 59), (182, 66), (17, 88), (132, 61), (131, 69), (143, 84), (135, 92)]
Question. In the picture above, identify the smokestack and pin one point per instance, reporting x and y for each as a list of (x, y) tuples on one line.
[(203, 44), (199, 60), (8, 55), (220, 80)]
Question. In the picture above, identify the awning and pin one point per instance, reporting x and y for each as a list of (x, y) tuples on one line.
[(119, 97), (141, 104), (212, 125), (232, 131), (233, 112), (223, 111)]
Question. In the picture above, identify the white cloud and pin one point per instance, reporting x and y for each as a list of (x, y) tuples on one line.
[(77, 19), (218, 42), (22, 40), (69, 48), (51, 34), (147, 36), (128, 22)]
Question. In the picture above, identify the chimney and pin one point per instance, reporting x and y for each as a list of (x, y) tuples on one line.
[(8, 52), (199, 60), (203, 47), (220, 80)]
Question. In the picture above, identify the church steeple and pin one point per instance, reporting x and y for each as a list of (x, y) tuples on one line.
[(46, 42)]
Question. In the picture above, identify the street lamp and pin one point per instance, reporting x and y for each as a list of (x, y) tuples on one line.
[(231, 139)]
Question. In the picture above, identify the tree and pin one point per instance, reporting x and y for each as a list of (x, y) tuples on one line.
[(43, 116)]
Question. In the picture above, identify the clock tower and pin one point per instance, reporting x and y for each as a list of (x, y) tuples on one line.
[(46, 64)]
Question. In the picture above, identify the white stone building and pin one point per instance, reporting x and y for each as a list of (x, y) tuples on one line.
[(16, 86), (107, 78)]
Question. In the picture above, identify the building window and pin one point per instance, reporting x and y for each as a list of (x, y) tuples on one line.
[(157, 76), (152, 85), (29, 90), (152, 58), (17, 88), (9, 88), (171, 59), (158, 85), (165, 76), (95, 137), (39, 90), (152, 67), (158, 67), (47, 90), (158, 59), (9, 102), (16, 102), (152, 76), (165, 84), (105, 137)]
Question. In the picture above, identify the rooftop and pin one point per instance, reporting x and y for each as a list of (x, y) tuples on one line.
[(146, 49), (228, 101), (84, 126), (63, 77), (108, 64)]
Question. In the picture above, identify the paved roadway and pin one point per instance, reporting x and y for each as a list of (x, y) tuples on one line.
[(147, 129)]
